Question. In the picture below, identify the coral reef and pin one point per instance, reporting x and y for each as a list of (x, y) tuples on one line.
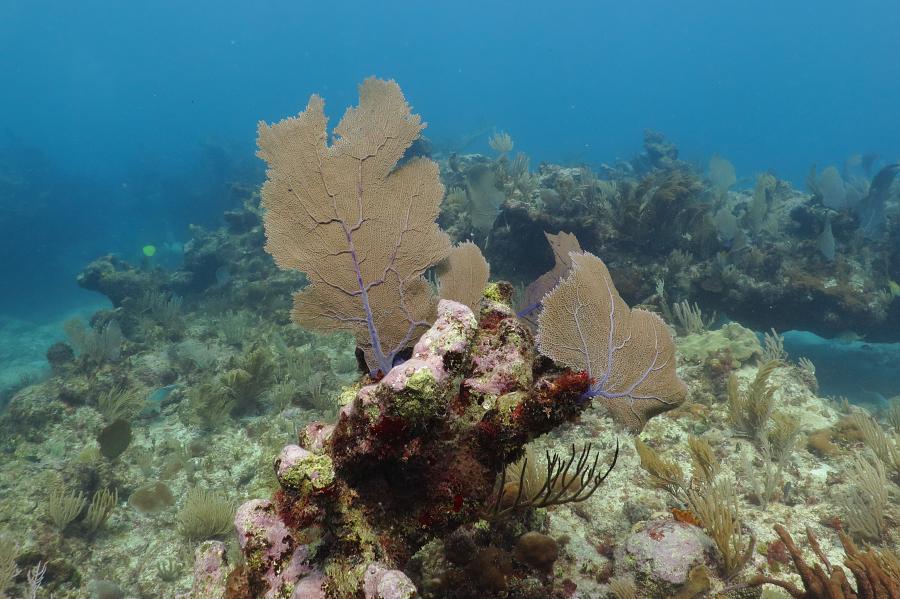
[(194, 423), (414, 459), (756, 255), (50, 428)]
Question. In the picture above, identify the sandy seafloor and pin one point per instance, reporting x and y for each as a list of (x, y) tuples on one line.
[(132, 549)]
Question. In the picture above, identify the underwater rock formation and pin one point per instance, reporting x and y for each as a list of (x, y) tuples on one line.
[(118, 280), (413, 458), (210, 571), (663, 553), (769, 256)]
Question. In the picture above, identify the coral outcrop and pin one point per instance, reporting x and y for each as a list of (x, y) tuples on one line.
[(413, 459), (762, 255), (663, 553)]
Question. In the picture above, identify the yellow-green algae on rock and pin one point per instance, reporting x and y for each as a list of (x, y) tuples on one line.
[(740, 341)]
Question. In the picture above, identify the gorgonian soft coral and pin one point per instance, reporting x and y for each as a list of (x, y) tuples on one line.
[(628, 353), (359, 226)]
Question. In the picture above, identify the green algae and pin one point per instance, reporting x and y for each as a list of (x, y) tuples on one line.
[(313, 473)]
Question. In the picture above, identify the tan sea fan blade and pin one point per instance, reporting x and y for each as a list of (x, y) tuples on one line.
[(464, 275), (629, 354), (362, 228), (562, 245)]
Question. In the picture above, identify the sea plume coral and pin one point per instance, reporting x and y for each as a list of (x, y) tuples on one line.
[(360, 227), (628, 354)]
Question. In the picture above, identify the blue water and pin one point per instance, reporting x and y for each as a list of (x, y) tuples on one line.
[(127, 121), (865, 373), (106, 87)]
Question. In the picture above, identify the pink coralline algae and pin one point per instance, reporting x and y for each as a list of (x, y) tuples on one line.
[(417, 384), (278, 560), (501, 360), (210, 571), (666, 550), (312, 586)]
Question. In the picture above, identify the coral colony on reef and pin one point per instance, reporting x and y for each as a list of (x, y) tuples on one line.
[(418, 426)]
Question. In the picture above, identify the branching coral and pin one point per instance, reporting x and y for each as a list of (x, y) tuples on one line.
[(247, 380), (63, 506), (562, 484), (102, 504), (774, 434), (750, 411), (717, 507), (9, 550), (205, 514), (120, 403), (885, 449), (877, 573), (652, 215), (690, 318), (866, 500), (98, 344), (712, 501)]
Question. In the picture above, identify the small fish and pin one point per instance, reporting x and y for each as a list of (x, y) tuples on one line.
[(894, 288), (826, 241), (849, 337), (162, 393)]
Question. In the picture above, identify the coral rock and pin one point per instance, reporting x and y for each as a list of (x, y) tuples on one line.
[(538, 551), (299, 470), (411, 459), (118, 280), (315, 436), (441, 349), (210, 570), (311, 586), (418, 387), (274, 559), (741, 342), (381, 582), (665, 551), (502, 356)]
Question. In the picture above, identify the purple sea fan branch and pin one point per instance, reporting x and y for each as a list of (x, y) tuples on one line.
[(629, 354)]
